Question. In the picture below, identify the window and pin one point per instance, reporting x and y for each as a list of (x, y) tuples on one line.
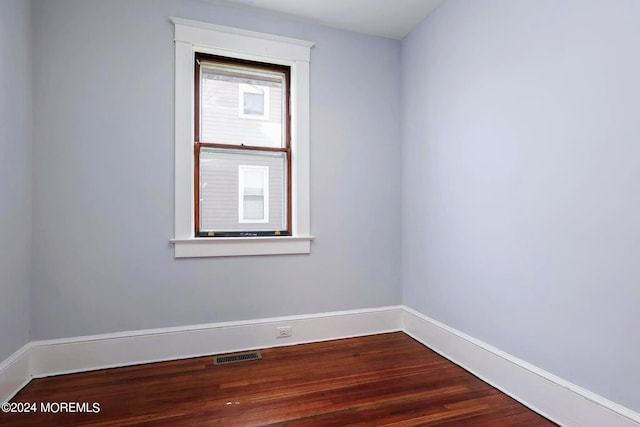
[(242, 165), (253, 197), (240, 192)]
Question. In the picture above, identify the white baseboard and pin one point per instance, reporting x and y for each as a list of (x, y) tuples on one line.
[(15, 373), (552, 397), (63, 356), (555, 398)]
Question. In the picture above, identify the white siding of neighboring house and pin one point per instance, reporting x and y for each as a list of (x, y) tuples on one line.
[(221, 122), (219, 180)]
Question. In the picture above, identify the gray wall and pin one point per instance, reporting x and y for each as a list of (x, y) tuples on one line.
[(521, 182), (15, 173), (103, 176)]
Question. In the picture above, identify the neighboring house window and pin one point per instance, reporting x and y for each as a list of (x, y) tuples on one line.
[(253, 194), (254, 102), (241, 158), (238, 161)]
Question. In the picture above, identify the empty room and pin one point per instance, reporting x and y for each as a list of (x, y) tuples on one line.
[(320, 212)]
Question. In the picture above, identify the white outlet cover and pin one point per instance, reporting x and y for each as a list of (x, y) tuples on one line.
[(285, 331)]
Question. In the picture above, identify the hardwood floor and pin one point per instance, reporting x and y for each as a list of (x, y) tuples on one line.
[(380, 380)]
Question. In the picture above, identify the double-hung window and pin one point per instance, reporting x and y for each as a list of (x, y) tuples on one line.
[(241, 142), (242, 148)]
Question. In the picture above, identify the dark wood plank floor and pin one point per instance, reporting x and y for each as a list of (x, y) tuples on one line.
[(378, 380)]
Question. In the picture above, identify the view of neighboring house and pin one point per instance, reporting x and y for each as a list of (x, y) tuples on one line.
[(242, 190)]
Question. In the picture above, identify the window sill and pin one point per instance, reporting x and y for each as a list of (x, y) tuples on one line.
[(241, 246)]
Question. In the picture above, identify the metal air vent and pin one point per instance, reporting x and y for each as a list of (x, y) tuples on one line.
[(239, 357)]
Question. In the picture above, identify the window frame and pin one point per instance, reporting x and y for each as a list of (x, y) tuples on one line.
[(191, 37)]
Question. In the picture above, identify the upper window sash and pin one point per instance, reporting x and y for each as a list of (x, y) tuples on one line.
[(251, 77)]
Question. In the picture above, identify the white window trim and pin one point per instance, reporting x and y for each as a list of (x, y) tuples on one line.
[(190, 37), (245, 88), (242, 170)]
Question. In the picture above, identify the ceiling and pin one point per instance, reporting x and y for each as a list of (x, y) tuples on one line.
[(386, 18)]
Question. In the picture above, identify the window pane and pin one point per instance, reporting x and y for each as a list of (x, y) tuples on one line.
[(241, 106), (253, 208), (263, 184), (254, 194), (253, 104), (253, 182)]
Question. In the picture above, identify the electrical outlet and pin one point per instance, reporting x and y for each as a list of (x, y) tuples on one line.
[(285, 332)]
